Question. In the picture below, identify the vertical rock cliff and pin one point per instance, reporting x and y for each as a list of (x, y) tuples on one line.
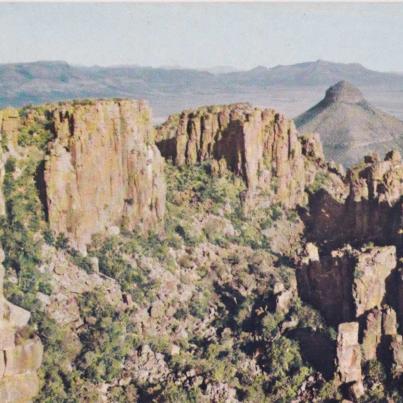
[(371, 210), (359, 287), (259, 145), (349, 358), (347, 283), (103, 170)]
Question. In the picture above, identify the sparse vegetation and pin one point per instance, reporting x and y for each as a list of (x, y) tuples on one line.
[(204, 308)]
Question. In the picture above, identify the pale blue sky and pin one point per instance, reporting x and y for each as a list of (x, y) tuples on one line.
[(200, 35)]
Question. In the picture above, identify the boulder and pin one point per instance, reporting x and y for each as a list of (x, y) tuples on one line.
[(146, 366)]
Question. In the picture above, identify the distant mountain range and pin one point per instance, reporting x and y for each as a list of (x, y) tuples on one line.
[(172, 89), (350, 127)]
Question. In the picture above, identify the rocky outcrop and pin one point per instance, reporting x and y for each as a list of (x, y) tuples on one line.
[(370, 212), (348, 352), (148, 366), (358, 287), (103, 170), (259, 145), (20, 357), (372, 334), (348, 282), (349, 358)]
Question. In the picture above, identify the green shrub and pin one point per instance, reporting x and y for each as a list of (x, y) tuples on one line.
[(173, 393), (106, 340), (112, 263), (25, 218), (286, 369), (320, 181)]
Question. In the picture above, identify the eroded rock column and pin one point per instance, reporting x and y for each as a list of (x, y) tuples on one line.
[(349, 357), (103, 170)]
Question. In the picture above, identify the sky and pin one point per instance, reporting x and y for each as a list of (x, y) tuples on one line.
[(195, 35)]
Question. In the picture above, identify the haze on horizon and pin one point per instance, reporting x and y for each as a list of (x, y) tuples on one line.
[(196, 35)]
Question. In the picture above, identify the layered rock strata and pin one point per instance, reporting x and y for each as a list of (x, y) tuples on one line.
[(103, 170), (20, 357), (259, 145)]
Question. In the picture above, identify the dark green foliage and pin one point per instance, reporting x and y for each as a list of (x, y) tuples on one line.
[(18, 231), (199, 305), (4, 142), (113, 263), (55, 364), (81, 261), (286, 369), (62, 242), (38, 132), (174, 393), (106, 339), (22, 246), (320, 181), (49, 237), (374, 380)]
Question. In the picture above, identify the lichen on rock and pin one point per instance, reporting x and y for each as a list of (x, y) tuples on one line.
[(103, 170)]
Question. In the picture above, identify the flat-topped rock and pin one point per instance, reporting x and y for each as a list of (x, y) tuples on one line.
[(259, 145), (343, 91)]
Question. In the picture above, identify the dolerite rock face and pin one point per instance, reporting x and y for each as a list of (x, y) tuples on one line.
[(371, 211), (349, 358), (20, 358), (103, 170), (351, 270), (347, 283), (259, 145)]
